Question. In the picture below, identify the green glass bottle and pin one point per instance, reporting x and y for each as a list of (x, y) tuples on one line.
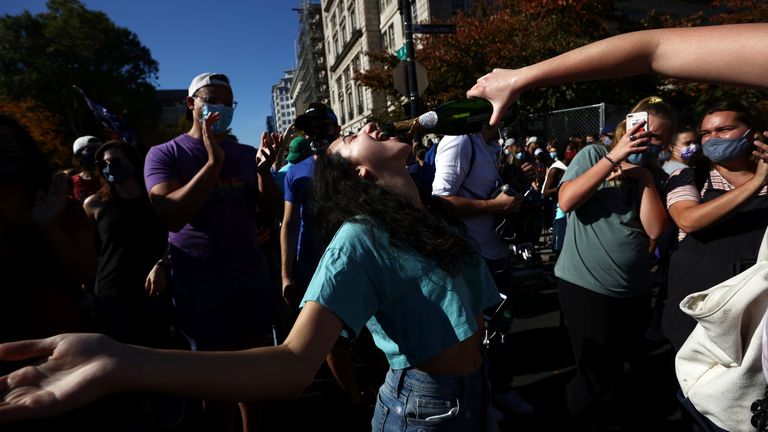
[(456, 117)]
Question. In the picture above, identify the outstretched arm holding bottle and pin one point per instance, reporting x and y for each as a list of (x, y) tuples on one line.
[(673, 52)]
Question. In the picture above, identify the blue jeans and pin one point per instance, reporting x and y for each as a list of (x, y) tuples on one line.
[(558, 234), (411, 400)]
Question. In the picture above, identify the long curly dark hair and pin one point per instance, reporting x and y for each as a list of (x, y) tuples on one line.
[(340, 194)]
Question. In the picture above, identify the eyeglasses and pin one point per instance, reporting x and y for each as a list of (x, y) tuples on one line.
[(214, 101)]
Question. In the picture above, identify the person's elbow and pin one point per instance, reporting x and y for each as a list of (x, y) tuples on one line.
[(687, 224), (657, 228), (170, 218), (567, 199), (685, 218), (174, 224), (566, 203), (301, 376), (299, 384)]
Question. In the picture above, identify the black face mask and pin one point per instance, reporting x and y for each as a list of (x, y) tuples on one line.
[(87, 159), (116, 172)]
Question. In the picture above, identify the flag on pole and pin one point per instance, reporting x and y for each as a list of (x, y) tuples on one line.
[(107, 119)]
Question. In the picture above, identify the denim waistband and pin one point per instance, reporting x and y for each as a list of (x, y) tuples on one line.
[(410, 379)]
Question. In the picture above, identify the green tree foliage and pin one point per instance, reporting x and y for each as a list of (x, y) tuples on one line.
[(42, 56)]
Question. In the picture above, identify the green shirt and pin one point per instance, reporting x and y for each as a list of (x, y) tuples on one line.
[(606, 248), (413, 308)]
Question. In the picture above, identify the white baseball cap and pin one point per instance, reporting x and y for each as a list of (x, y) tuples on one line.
[(508, 142), (206, 79), (532, 139), (83, 142)]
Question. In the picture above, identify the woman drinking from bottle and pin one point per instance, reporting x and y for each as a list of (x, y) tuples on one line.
[(391, 265)]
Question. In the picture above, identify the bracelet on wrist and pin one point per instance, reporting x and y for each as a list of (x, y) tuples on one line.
[(615, 165)]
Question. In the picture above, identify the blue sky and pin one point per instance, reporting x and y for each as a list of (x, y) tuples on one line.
[(252, 41)]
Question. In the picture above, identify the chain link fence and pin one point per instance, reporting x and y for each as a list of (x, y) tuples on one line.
[(571, 122)]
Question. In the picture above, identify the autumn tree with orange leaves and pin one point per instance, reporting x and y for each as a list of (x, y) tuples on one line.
[(516, 33), (43, 126), (512, 34)]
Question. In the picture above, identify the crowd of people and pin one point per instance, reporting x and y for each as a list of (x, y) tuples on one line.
[(216, 271)]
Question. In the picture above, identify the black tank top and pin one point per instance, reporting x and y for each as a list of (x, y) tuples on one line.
[(130, 240)]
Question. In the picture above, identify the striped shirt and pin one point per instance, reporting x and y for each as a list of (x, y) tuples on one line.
[(681, 186)]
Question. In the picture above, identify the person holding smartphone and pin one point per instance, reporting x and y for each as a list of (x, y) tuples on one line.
[(603, 270), (721, 210)]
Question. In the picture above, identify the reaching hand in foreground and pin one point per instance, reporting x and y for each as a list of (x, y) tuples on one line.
[(74, 369)]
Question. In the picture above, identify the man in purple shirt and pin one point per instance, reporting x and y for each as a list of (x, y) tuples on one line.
[(208, 189)]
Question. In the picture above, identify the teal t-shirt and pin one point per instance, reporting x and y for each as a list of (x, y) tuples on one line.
[(605, 248), (413, 308)]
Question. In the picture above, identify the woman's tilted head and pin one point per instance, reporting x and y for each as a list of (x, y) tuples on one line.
[(341, 191)]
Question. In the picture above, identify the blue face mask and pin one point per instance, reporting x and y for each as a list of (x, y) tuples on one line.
[(722, 149), (225, 117), (553, 155), (519, 155), (646, 158), (116, 172), (690, 151)]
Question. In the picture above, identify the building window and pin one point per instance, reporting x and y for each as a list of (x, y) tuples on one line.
[(360, 99), (347, 75), (391, 37), (350, 114), (352, 16), (344, 35), (336, 43)]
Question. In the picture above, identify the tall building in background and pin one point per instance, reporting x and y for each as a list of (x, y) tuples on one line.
[(424, 11), (354, 27), (283, 111), (310, 83), (351, 30)]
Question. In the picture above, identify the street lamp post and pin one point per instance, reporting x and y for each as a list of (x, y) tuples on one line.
[(404, 6)]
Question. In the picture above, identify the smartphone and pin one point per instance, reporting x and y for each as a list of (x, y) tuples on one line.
[(635, 118)]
